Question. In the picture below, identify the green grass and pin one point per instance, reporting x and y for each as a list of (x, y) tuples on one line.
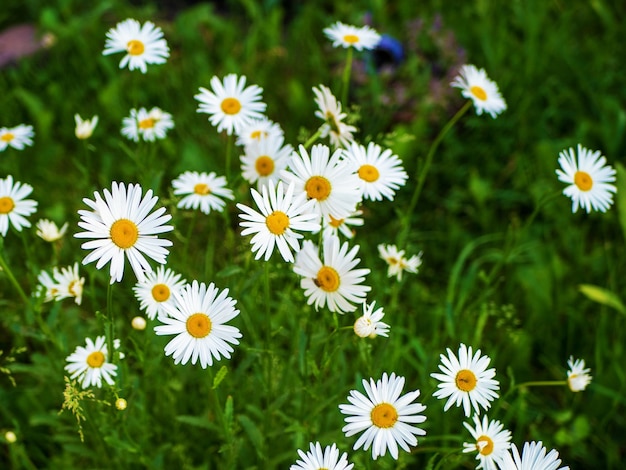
[(489, 278)]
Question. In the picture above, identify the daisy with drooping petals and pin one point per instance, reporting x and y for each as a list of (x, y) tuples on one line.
[(385, 418), (206, 191), (466, 380), (397, 262), (346, 36), (198, 319), (84, 128), (588, 178), (316, 459), (332, 226), (231, 105), (17, 137), (370, 325), (66, 283), (143, 44), (280, 217), (325, 178), (533, 457), (329, 111), (484, 93), (156, 290), (577, 376), (333, 282), (491, 442), (381, 172), (13, 207), (121, 226), (48, 230), (149, 125), (89, 364), (264, 160), (258, 129)]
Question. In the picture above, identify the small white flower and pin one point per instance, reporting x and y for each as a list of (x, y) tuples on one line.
[(484, 93), (533, 457), (157, 290), (205, 191), (316, 459), (84, 129), (577, 376), (346, 35), (13, 207), (491, 442), (17, 137), (48, 230), (370, 324), (66, 283), (149, 125), (89, 364), (264, 160), (332, 226), (138, 323), (397, 262), (258, 129), (329, 111)]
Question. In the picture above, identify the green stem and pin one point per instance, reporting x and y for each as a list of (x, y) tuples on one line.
[(314, 137), (12, 280), (542, 383), (346, 79), (540, 205), (109, 325), (229, 151)]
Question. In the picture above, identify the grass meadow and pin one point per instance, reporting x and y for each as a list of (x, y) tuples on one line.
[(507, 267)]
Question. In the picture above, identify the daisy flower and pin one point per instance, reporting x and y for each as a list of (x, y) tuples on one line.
[(332, 226), (48, 230), (398, 262), (334, 281), (491, 442), (346, 36), (533, 457), (206, 191), (329, 111), (13, 207), (85, 128), (385, 418), (121, 227), (264, 159), (17, 137), (280, 217), (156, 290), (466, 380), (258, 129), (370, 324), (231, 105), (67, 283), (475, 85), (325, 178), (89, 364), (380, 171), (316, 459), (143, 44), (577, 376), (198, 319), (149, 125), (48, 286), (588, 179)]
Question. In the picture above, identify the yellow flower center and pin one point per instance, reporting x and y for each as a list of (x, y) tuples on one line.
[(465, 380), (231, 106), (317, 187), (160, 292), (8, 137), (484, 445), (6, 205), (95, 359), (147, 123), (258, 134), (335, 222), (331, 120), (384, 415), (351, 38), (327, 279), (201, 189), (277, 222), (369, 173), (135, 47), (71, 288), (583, 180), (199, 325), (479, 93), (264, 165), (124, 233)]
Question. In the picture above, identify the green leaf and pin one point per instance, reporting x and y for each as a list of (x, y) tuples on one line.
[(620, 196), (603, 296), (220, 376), (254, 434)]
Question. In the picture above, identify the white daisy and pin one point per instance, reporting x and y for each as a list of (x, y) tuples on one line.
[(588, 179), (329, 111), (332, 226), (484, 93), (156, 290), (231, 105), (89, 364), (13, 207), (577, 376), (84, 129), (48, 287), (370, 324), (264, 160), (68, 283), (48, 230), (198, 319), (491, 442), (17, 137), (398, 262), (122, 227), (381, 171), (325, 178), (279, 219), (149, 125), (206, 191), (386, 418), (258, 129), (346, 35), (334, 281), (533, 457), (316, 459), (466, 380), (143, 44)]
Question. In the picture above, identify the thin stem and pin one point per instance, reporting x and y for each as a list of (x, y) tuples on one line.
[(540, 205), (229, 151), (314, 137), (12, 280), (542, 383), (109, 317), (346, 78)]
